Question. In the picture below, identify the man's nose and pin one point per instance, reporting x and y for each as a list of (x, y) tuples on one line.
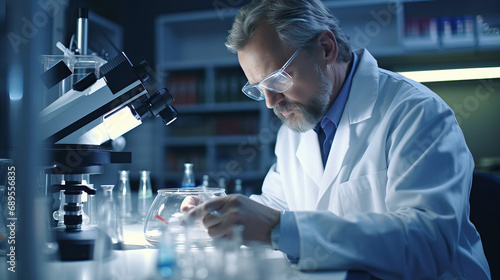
[(272, 98)]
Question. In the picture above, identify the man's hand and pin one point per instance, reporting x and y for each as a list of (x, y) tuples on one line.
[(220, 214), (190, 202)]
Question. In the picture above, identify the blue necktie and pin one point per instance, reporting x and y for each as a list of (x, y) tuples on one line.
[(321, 139)]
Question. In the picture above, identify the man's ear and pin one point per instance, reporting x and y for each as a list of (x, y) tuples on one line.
[(328, 46)]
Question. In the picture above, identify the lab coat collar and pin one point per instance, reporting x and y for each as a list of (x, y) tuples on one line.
[(360, 105), (359, 108)]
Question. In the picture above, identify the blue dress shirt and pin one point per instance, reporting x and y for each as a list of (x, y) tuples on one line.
[(326, 128)]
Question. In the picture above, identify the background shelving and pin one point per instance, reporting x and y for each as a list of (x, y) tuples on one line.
[(227, 134)]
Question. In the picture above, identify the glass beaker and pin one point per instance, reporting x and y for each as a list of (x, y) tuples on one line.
[(124, 197), (166, 210), (188, 178), (145, 195), (109, 217)]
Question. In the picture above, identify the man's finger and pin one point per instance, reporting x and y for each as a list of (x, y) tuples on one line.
[(195, 214), (189, 203), (215, 204), (203, 209)]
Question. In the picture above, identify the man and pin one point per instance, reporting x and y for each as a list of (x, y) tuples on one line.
[(372, 171)]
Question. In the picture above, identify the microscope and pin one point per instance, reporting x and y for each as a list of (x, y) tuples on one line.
[(104, 104)]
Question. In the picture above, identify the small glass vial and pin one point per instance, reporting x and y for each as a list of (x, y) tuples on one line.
[(238, 188), (124, 197), (188, 179), (145, 195), (167, 259), (222, 183), (205, 182)]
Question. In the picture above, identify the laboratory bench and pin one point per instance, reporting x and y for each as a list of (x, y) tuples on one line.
[(138, 260)]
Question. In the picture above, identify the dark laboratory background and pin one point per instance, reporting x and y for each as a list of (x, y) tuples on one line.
[(225, 135)]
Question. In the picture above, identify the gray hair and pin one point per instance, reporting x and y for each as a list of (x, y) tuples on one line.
[(295, 21)]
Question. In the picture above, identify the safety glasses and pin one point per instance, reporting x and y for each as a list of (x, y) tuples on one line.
[(278, 81)]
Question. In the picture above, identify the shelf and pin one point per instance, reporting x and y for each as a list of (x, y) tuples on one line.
[(218, 125), (447, 27), (205, 62), (174, 33), (378, 25), (211, 140), (220, 107)]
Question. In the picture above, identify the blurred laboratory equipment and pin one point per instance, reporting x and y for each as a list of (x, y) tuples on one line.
[(91, 211), (226, 260), (222, 183), (166, 210), (87, 102), (85, 201), (124, 197), (205, 181), (75, 240), (58, 215), (88, 211), (238, 188), (188, 178), (145, 195), (75, 67), (109, 217), (166, 262)]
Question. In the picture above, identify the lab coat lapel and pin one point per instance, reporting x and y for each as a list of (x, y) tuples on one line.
[(336, 157), (359, 108), (309, 156)]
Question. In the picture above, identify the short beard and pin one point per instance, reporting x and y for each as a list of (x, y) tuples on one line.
[(310, 114)]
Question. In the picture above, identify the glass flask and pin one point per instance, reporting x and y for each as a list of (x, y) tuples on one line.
[(188, 179), (91, 210), (109, 217), (124, 197), (145, 195), (166, 210)]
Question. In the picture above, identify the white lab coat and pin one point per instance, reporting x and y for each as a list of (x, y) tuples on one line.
[(393, 197)]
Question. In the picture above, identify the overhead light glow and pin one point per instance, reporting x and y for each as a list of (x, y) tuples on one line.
[(453, 74)]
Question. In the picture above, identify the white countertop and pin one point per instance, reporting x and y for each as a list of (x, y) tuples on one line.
[(139, 261)]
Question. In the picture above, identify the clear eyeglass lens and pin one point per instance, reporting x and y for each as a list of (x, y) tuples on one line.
[(254, 92), (278, 82)]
